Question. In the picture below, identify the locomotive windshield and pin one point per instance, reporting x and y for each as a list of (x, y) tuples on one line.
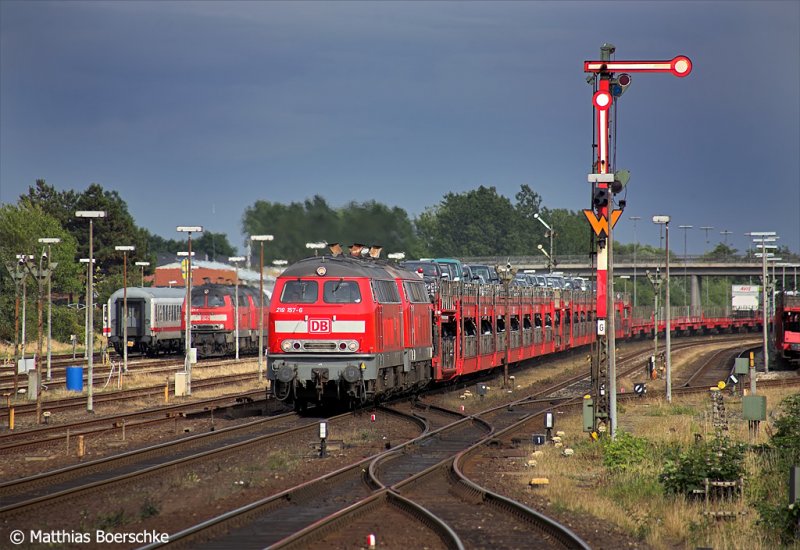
[(299, 292), (204, 297), (341, 292)]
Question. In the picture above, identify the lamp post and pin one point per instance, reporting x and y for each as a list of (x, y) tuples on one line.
[(316, 246), (686, 229), (18, 275), (625, 282), (22, 259), (506, 275), (634, 219), (187, 365), (91, 215), (142, 265), (261, 239), (725, 234), (125, 250), (706, 228), (762, 238), (550, 233), (655, 280), (235, 261), (664, 220), (51, 265), (549, 259), (41, 273)]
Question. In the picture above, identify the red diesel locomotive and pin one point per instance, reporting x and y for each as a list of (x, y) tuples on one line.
[(214, 319), (787, 327), (347, 329)]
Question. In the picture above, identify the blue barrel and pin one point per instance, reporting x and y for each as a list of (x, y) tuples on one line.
[(75, 378)]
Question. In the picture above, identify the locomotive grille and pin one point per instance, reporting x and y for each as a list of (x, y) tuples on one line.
[(319, 346)]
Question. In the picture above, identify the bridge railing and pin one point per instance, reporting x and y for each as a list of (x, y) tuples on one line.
[(627, 259)]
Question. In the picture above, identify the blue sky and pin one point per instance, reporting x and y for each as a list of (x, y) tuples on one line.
[(193, 111)]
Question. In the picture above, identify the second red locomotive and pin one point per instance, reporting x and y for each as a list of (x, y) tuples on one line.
[(214, 319)]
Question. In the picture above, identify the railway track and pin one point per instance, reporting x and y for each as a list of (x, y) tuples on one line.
[(84, 480), (55, 435), (101, 372), (717, 367), (387, 482), (72, 403)]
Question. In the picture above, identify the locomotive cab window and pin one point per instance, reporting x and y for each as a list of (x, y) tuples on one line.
[(299, 292), (341, 292)]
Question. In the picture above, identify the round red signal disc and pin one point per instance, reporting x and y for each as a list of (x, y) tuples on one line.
[(601, 100), (681, 66)]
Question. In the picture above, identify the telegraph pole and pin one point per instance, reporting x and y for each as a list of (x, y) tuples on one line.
[(606, 182)]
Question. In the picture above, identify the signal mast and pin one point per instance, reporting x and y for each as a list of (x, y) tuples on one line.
[(610, 79)]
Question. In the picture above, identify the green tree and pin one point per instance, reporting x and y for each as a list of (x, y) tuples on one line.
[(373, 223), (20, 228), (296, 224), (573, 232), (720, 251), (474, 223), (58, 204), (213, 246)]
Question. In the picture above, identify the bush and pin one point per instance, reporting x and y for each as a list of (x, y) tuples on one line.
[(781, 521), (687, 470), (624, 451), (776, 515), (786, 440)]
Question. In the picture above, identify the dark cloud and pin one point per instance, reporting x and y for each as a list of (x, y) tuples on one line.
[(210, 106)]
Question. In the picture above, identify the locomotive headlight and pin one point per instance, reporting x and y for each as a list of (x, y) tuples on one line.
[(353, 346), (286, 345)]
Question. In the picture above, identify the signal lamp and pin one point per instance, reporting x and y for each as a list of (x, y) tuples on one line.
[(620, 84), (600, 197)]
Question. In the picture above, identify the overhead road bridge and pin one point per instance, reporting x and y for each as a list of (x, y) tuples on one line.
[(693, 267)]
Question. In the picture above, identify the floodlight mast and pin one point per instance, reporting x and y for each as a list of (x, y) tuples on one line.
[(261, 239), (602, 178), (316, 246), (142, 265), (235, 260), (664, 220), (51, 265), (187, 365), (124, 250), (551, 233), (91, 214), (762, 238)]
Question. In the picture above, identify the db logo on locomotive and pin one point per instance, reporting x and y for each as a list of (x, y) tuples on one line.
[(319, 326)]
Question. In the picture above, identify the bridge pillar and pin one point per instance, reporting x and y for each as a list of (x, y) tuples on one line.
[(697, 303)]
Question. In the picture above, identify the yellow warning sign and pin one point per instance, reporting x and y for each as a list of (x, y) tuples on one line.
[(184, 268), (600, 224)]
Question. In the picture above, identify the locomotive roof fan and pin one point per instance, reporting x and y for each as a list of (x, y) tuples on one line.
[(336, 249), (355, 249)]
